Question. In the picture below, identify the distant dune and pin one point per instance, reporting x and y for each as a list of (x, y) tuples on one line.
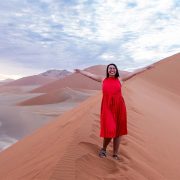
[(76, 80), (64, 89), (61, 95), (6, 81), (10, 89), (67, 148), (56, 73), (40, 79)]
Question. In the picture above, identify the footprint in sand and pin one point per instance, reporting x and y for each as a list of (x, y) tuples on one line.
[(97, 115), (90, 147), (135, 110), (96, 168), (124, 140)]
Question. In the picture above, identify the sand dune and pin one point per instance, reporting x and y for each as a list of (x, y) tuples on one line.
[(16, 89), (67, 148), (11, 89), (76, 80), (165, 75), (62, 95), (30, 80), (39, 79), (70, 88), (5, 81), (16, 122)]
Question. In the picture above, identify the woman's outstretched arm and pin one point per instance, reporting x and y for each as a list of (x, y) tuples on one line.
[(136, 72), (90, 75)]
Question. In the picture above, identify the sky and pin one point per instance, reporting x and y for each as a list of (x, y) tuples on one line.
[(39, 35)]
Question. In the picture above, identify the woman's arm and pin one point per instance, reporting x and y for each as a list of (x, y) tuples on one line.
[(137, 72), (90, 75)]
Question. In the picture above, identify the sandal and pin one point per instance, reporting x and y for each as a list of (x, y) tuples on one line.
[(102, 153), (115, 156)]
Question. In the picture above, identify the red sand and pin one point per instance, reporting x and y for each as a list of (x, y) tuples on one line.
[(67, 148)]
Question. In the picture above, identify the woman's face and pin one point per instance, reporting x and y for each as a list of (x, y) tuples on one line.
[(112, 70)]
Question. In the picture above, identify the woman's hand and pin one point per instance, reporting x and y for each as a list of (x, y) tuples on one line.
[(149, 67), (89, 75), (77, 70), (137, 72)]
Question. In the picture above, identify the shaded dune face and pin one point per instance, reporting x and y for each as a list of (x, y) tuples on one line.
[(67, 148), (59, 96)]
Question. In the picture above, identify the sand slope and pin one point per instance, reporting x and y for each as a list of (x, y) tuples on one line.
[(67, 148), (166, 74)]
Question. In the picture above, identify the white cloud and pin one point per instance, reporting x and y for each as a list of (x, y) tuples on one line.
[(60, 33), (107, 57), (12, 70), (5, 76)]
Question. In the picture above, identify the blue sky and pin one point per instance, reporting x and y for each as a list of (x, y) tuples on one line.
[(38, 35)]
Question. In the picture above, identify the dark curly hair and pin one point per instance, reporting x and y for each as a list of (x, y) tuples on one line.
[(117, 72)]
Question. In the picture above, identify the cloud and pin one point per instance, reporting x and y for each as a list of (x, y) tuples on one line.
[(44, 34)]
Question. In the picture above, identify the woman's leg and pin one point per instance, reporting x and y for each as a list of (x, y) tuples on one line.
[(116, 142), (106, 141), (102, 152)]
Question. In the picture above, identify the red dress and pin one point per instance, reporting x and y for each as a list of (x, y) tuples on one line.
[(113, 119)]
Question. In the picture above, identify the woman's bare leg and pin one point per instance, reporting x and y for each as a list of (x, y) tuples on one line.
[(106, 141), (116, 142)]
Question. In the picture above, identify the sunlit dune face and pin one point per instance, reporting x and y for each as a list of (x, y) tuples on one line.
[(112, 70)]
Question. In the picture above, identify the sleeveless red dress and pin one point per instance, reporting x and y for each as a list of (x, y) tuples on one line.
[(113, 119)]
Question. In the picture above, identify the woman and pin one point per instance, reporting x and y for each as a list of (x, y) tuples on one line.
[(113, 119)]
